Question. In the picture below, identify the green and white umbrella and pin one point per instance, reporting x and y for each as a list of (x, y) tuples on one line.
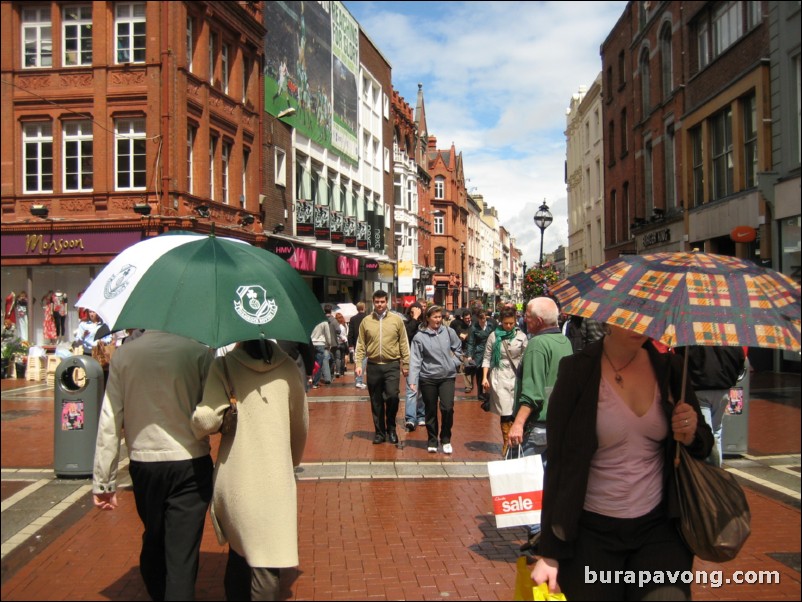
[(214, 290)]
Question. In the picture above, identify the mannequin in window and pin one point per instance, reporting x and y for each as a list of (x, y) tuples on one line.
[(21, 312), (60, 313)]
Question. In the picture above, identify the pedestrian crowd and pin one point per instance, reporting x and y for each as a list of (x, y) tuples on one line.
[(598, 403)]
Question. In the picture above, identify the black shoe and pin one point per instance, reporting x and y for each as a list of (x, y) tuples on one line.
[(410, 426), (379, 438), (532, 545), (392, 437)]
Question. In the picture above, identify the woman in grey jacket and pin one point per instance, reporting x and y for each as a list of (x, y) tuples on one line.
[(435, 354)]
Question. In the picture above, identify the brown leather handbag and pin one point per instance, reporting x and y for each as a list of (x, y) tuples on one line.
[(230, 415)]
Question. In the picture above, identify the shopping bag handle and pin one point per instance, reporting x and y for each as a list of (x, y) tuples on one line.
[(509, 449)]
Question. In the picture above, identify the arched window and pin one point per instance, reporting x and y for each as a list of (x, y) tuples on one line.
[(645, 78), (439, 187), (666, 61)]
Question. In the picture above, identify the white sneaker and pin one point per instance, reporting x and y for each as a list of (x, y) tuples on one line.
[(447, 449), (432, 450), (421, 423), (361, 386)]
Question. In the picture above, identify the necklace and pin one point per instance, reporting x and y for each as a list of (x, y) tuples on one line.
[(618, 378)]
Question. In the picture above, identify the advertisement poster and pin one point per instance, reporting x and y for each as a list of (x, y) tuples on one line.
[(72, 415), (350, 232), (322, 223), (311, 65), (736, 405), (304, 218), (337, 228)]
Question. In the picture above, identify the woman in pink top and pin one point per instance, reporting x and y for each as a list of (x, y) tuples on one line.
[(609, 506)]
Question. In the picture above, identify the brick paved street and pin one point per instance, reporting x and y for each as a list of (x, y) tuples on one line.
[(376, 522)]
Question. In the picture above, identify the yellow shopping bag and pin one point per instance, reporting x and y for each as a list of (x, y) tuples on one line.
[(525, 588)]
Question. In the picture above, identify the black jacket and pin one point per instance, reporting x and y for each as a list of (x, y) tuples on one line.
[(713, 368), (353, 328), (572, 441)]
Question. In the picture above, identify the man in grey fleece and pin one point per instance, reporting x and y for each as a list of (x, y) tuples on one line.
[(435, 354), (155, 382)]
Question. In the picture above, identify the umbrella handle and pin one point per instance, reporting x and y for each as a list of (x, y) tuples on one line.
[(682, 396)]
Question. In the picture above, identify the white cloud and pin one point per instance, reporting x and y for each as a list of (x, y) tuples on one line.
[(497, 80)]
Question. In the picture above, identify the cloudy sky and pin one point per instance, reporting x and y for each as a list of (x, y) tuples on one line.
[(497, 79)]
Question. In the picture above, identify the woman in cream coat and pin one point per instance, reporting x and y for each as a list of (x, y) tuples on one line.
[(254, 506)]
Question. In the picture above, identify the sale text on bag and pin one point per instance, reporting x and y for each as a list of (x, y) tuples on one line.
[(511, 503)]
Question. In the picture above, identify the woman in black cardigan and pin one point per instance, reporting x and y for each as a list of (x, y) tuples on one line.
[(609, 500)]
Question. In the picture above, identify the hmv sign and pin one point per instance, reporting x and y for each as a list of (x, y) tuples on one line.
[(283, 248)]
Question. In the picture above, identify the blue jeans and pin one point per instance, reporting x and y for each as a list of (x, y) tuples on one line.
[(713, 404), (322, 358), (360, 380), (415, 409), (534, 444)]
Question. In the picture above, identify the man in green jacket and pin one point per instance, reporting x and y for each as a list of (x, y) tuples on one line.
[(547, 346), (383, 341)]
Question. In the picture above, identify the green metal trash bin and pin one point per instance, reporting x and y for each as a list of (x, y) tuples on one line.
[(79, 388)]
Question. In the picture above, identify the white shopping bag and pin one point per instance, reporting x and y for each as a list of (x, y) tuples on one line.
[(517, 490)]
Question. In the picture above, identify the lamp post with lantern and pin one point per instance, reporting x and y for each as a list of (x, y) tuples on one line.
[(543, 219)]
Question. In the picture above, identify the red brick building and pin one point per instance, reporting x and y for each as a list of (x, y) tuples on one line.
[(122, 120)]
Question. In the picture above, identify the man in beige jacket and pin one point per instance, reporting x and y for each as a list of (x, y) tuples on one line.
[(383, 341), (155, 382)]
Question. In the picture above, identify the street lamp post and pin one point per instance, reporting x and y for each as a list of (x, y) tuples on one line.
[(462, 280), (543, 219)]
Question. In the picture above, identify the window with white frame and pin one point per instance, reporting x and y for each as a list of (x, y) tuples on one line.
[(697, 159), (750, 140), (76, 23), (37, 159), (212, 153), (37, 38), (191, 133), (754, 13), (440, 260), (439, 187), (669, 167), (412, 195), (226, 156), (246, 76), (280, 167), (78, 156), (439, 224), (645, 81), (666, 61), (190, 43), (648, 179), (397, 190), (130, 160), (246, 157), (129, 31), (727, 26), (212, 56), (225, 65), (703, 44), (721, 149)]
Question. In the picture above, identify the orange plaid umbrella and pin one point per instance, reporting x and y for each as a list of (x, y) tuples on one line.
[(683, 299)]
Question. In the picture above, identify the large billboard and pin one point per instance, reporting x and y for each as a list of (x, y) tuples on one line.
[(312, 66)]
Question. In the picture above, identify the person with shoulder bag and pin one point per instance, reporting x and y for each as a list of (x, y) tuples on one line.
[(501, 362)]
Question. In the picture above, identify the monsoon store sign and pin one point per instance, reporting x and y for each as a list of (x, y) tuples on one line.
[(67, 243)]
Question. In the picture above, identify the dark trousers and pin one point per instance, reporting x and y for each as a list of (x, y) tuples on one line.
[(605, 545), (431, 391), (243, 582), (171, 499), (384, 381)]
